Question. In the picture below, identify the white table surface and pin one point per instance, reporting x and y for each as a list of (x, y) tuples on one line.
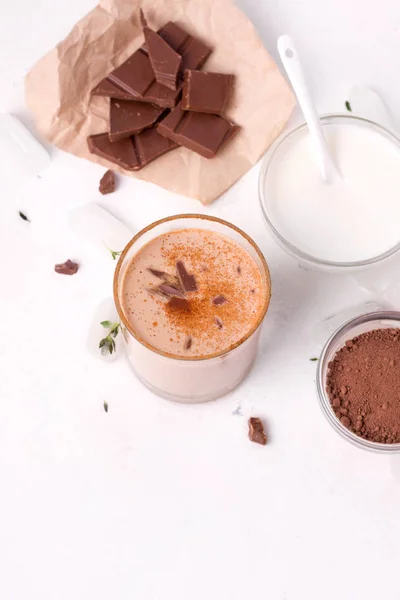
[(160, 501)]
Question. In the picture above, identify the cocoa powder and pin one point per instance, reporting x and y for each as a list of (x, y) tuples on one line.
[(363, 385)]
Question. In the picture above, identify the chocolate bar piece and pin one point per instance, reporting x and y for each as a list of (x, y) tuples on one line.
[(202, 133), (131, 153), (135, 75), (164, 60), (128, 117), (256, 431), (150, 145), (121, 153), (67, 268), (194, 54), (206, 92), (110, 90), (124, 82)]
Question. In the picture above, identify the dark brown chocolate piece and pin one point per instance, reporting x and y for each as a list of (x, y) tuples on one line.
[(169, 291), (174, 36), (67, 268), (128, 117), (256, 431), (110, 90), (166, 277), (150, 145), (132, 153), (156, 273), (121, 153), (218, 323), (203, 133), (135, 75), (124, 82), (206, 92), (179, 304), (188, 282), (165, 61), (194, 54), (107, 183), (218, 300), (188, 343)]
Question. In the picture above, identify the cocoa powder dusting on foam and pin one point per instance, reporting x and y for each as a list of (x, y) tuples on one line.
[(363, 384), (216, 282)]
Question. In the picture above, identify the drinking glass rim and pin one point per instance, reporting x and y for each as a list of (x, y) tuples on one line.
[(136, 237), (288, 245), (381, 315)]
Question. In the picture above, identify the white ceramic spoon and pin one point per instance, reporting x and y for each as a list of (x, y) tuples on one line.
[(291, 61)]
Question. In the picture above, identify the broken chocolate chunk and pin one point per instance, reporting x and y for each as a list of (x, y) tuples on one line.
[(164, 60), (256, 431), (218, 323), (156, 273), (206, 92), (167, 278), (203, 133), (218, 300), (135, 75), (169, 291), (132, 153), (181, 304), (110, 90), (188, 282), (67, 268), (107, 183), (188, 343), (128, 117), (121, 153)]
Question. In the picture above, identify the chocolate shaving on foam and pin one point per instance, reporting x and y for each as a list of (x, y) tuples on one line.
[(187, 281), (169, 291), (188, 343), (179, 304), (167, 278), (218, 300), (218, 323)]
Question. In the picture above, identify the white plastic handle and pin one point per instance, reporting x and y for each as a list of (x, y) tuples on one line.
[(291, 61)]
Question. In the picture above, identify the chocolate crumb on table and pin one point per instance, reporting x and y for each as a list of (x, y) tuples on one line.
[(363, 385), (107, 183), (66, 268), (256, 431)]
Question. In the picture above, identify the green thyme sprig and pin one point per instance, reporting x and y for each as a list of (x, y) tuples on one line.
[(113, 253), (347, 104), (314, 359), (107, 344)]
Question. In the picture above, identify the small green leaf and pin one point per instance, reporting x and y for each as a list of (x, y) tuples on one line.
[(347, 104), (313, 359), (106, 323), (105, 406), (114, 330), (102, 343)]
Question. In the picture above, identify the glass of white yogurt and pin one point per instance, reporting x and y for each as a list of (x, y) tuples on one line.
[(347, 225)]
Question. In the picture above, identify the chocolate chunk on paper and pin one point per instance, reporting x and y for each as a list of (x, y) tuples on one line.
[(110, 90), (58, 88), (130, 117), (202, 133), (107, 183), (206, 92), (67, 268), (164, 60), (131, 153), (256, 431)]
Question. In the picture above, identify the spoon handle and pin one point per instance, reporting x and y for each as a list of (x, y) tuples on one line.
[(291, 62)]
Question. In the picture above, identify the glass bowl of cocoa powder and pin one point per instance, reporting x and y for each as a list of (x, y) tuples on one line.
[(358, 381)]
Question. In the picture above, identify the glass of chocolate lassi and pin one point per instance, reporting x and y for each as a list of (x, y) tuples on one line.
[(191, 292)]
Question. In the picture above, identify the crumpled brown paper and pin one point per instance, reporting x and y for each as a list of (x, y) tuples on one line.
[(58, 88)]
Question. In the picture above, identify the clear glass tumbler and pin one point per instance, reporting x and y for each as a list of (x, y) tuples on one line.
[(190, 379)]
